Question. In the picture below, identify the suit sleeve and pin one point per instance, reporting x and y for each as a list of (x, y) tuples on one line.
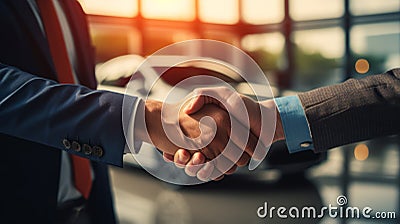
[(43, 111), (356, 110)]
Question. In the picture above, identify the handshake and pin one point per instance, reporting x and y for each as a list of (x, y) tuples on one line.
[(212, 133)]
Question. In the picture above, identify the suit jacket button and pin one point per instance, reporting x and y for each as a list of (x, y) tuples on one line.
[(305, 144), (87, 149), (66, 143), (76, 146), (98, 151)]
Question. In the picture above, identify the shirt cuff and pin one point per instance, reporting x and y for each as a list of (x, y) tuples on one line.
[(295, 124), (132, 145)]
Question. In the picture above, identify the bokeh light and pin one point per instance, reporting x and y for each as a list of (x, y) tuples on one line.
[(362, 66), (361, 152)]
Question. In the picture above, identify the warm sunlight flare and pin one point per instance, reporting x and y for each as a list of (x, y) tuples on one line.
[(120, 8)]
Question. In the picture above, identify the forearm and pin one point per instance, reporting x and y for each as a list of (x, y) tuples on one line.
[(353, 111), (46, 112)]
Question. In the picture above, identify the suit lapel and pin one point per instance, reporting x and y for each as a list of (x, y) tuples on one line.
[(77, 21), (24, 12)]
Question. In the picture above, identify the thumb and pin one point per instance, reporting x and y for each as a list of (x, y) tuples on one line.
[(195, 104)]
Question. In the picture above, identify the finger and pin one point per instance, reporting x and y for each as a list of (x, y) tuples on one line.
[(195, 104), (220, 168), (181, 158), (224, 166), (206, 171), (216, 174), (254, 114), (260, 152), (239, 107), (232, 170), (235, 155), (251, 144), (227, 99), (195, 164), (168, 157), (255, 146), (237, 135), (208, 153), (219, 178), (243, 160)]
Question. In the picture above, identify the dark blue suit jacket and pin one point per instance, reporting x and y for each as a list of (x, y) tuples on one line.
[(37, 113)]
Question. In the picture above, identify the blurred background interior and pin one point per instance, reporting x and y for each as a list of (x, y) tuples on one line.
[(300, 45)]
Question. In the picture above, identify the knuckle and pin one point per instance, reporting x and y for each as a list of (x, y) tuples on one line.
[(221, 116), (244, 159), (208, 152), (250, 146), (220, 144)]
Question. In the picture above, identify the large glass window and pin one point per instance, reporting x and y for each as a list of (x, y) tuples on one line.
[(168, 9), (378, 45), (266, 49), (222, 12), (224, 36), (312, 58), (315, 9), (262, 12), (362, 7), (318, 56)]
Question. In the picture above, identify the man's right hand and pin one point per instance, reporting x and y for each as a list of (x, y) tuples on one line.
[(255, 110), (230, 149)]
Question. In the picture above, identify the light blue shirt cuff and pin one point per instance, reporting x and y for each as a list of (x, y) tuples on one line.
[(295, 124)]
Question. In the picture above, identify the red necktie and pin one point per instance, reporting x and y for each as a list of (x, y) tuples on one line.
[(58, 50)]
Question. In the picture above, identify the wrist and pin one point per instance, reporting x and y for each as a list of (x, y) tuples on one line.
[(147, 120), (270, 108), (155, 133), (279, 133), (152, 118)]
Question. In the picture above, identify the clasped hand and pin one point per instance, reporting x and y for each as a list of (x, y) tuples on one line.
[(210, 148)]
